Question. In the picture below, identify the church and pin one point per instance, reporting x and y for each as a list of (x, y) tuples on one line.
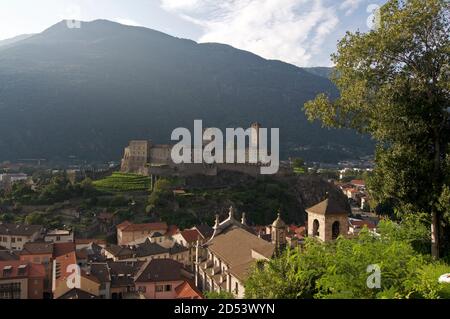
[(229, 255), (224, 262)]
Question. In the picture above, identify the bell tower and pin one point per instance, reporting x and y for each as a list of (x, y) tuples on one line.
[(278, 233), (327, 220)]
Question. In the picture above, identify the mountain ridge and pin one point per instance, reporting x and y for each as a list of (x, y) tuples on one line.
[(86, 92)]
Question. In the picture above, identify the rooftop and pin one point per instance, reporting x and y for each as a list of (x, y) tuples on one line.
[(19, 229)]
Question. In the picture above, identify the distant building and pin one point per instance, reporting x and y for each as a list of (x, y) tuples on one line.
[(59, 236), (21, 280), (65, 276), (40, 253), (165, 279), (14, 236), (356, 225), (145, 158), (132, 234)]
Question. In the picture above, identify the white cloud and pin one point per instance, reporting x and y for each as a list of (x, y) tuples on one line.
[(126, 21), (288, 30), (350, 6)]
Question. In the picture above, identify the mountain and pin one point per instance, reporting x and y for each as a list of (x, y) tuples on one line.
[(13, 40), (320, 71), (86, 92)]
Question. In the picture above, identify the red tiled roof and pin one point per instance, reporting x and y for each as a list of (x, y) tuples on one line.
[(362, 223), (357, 182), (187, 291), (190, 235), (31, 270), (60, 249), (172, 230)]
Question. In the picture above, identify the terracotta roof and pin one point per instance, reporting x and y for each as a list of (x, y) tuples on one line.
[(21, 269), (362, 223), (234, 246), (358, 182), (187, 290), (127, 226), (60, 249), (190, 235), (172, 230), (157, 270), (327, 207), (37, 248)]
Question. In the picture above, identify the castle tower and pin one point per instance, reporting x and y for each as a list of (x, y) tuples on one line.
[(254, 142), (327, 220), (278, 233)]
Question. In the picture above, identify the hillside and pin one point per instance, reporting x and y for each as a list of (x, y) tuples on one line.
[(86, 92)]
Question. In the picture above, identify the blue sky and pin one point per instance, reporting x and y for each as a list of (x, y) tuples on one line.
[(302, 32)]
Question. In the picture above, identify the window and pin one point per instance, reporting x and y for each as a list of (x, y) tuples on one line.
[(315, 227), (19, 238), (168, 288), (236, 288), (335, 230), (143, 289), (13, 239), (58, 238), (159, 288)]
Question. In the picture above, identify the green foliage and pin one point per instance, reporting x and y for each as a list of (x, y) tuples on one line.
[(394, 85), (219, 295), (35, 218), (123, 182), (161, 193), (298, 165), (426, 285), (340, 269)]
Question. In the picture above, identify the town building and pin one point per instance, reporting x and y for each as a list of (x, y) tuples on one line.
[(132, 234), (40, 253), (230, 254), (14, 236), (327, 219), (165, 279), (59, 236), (21, 280)]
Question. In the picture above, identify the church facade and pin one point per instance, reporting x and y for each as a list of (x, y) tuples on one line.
[(229, 255)]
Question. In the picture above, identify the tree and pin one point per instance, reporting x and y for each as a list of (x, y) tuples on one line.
[(299, 165), (368, 266), (219, 295), (35, 218), (394, 84)]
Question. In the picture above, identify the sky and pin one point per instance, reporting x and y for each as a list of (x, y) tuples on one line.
[(301, 32)]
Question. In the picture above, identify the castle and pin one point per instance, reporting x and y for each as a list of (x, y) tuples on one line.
[(145, 158)]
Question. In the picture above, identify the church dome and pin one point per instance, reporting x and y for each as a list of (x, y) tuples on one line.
[(278, 223)]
